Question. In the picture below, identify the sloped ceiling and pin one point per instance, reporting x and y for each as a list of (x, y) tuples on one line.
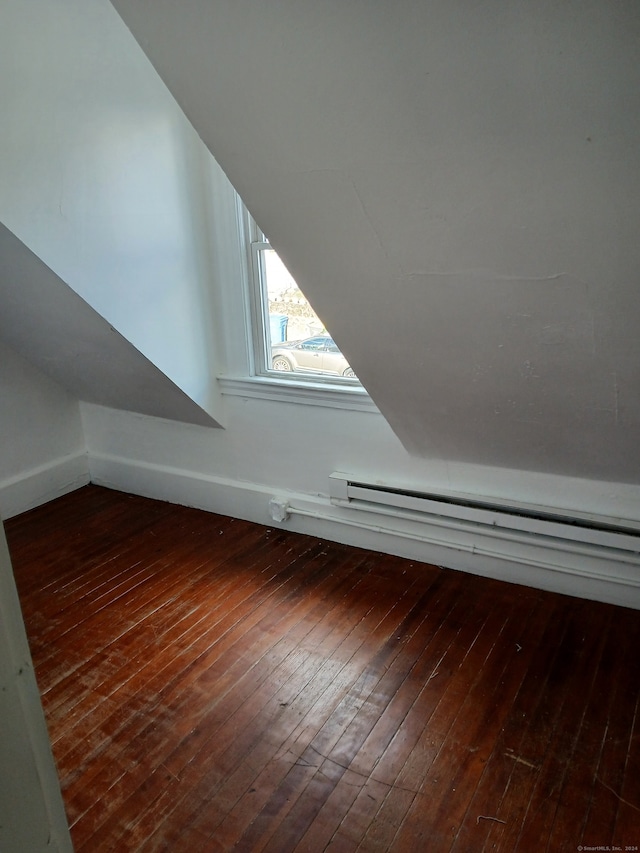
[(456, 188), (57, 331), (101, 177)]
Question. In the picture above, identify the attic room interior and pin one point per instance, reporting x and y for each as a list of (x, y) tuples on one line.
[(247, 611)]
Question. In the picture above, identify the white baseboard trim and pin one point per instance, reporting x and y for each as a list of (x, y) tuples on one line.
[(43, 483), (564, 566)]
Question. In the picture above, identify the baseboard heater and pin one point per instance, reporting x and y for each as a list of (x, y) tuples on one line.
[(606, 532)]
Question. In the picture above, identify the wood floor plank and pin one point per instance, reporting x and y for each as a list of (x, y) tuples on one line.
[(169, 614), (447, 774), (213, 685), (374, 768), (243, 695), (536, 650), (177, 662), (321, 640), (627, 829), (338, 698), (581, 779), (532, 797), (103, 582), (199, 678)]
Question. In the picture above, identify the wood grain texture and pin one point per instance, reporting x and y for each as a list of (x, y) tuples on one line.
[(213, 685)]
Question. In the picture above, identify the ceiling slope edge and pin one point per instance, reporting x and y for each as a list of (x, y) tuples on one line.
[(51, 326)]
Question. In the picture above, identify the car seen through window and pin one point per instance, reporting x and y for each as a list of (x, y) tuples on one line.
[(318, 354)]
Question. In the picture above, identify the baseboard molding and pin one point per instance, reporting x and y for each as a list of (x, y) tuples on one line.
[(43, 483), (568, 567)]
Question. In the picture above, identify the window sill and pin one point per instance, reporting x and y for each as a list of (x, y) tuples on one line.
[(304, 392)]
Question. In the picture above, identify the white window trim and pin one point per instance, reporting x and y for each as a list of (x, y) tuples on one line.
[(248, 379), (305, 392)]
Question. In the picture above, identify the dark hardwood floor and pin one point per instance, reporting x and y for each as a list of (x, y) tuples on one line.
[(213, 685)]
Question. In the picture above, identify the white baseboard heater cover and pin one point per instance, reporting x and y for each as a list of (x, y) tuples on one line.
[(620, 534)]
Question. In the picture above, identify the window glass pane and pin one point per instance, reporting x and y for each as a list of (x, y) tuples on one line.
[(296, 339), (286, 301), (313, 344)]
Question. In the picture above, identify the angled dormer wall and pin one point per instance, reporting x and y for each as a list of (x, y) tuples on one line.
[(103, 179)]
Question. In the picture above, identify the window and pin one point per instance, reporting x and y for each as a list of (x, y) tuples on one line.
[(268, 311), (290, 341)]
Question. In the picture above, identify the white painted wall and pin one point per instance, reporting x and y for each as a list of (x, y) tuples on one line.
[(288, 450), (42, 447), (32, 818), (291, 447), (456, 188), (103, 178)]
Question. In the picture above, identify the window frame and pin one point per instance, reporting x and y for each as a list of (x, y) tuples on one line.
[(261, 333), (232, 256)]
